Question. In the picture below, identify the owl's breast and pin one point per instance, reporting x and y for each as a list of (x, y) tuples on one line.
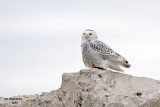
[(90, 56)]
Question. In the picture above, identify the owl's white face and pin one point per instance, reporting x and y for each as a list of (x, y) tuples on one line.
[(88, 35)]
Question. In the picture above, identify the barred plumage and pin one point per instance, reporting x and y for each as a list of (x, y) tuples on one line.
[(97, 54)]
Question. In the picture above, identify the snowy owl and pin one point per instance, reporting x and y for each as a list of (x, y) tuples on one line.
[(96, 54)]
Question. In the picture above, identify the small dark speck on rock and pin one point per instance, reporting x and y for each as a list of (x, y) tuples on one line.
[(80, 104), (100, 76), (60, 99), (104, 105), (138, 94), (106, 96), (105, 89)]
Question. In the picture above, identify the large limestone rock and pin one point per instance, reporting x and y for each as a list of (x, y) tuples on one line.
[(19, 101), (102, 88)]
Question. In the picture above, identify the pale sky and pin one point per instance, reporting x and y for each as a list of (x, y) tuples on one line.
[(40, 39)]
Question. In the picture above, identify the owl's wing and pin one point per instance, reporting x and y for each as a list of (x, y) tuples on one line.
[(108, 54)]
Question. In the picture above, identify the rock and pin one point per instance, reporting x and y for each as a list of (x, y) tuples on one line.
[(94, 88), (19, 101), (102, 88)]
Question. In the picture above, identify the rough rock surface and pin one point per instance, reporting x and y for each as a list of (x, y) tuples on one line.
[(102, 88), (19, 101)]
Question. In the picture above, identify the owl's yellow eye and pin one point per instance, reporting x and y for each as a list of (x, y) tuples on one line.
[(90, 33)]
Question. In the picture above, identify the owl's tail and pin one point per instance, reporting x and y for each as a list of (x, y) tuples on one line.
[(122, 61), (125, 64), (115, 66)]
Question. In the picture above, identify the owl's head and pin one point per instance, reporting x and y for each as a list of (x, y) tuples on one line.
[(89, 35)]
